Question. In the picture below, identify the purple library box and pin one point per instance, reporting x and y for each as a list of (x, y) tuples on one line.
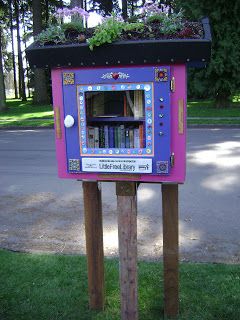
[(121, 123)]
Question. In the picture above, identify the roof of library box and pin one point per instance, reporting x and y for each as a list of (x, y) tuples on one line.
[(193, 52)]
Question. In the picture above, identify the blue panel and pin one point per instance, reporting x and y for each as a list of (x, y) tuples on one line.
[(154, 81)]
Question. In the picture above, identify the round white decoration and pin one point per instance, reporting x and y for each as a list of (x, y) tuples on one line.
[(68, 121)]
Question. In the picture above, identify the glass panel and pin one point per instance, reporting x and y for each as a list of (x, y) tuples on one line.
[(115, 103), (115, 119)]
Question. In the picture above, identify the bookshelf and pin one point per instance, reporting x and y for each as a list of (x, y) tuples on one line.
[(116, 119)]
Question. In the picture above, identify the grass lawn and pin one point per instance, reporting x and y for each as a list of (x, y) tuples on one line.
[(26, 114), (206, 109), (36, 286)]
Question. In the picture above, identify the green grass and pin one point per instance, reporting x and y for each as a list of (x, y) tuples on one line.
[(206, 109), (26, 114), (36, 286)]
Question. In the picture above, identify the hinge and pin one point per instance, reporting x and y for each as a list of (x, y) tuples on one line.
[(172, 160), (172, 84)]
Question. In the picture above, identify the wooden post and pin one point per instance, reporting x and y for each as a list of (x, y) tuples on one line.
[(94, 243), (170, 249), (127, 235)]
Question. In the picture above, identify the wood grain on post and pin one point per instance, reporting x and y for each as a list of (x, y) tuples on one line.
[(94, 243), (127, 235), (170, 249)]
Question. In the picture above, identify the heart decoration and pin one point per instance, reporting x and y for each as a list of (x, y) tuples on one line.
[(115, 75)]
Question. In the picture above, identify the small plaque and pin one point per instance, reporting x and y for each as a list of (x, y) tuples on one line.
[(121, 165)]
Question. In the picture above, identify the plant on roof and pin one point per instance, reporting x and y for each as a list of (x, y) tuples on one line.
[(109, 31), (154, 22), (52, 35)]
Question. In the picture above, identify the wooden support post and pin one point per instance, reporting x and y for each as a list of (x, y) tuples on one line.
[(94, 243), (127, 234), (170, 249)]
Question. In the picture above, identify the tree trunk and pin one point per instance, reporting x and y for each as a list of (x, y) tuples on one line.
[(124, 9), (46, 11), (22, 91), (40, 83), (27, 67), (3, 105), (73, 4), (13, 51), (223, 100), (132, 8), (76, 3)]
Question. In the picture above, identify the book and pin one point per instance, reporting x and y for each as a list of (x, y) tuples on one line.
[(119, 137), (90, 136), (136, 138), (106, 136), (97, 104), (101, 137), (111, 137), (124, 106), (96, 137), (127, 138), (138, 104), (131, 138), (122, 136), (141, 139), (115, 137), (130, 107)]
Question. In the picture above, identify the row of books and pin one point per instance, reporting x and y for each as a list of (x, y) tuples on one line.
[(118, 136)]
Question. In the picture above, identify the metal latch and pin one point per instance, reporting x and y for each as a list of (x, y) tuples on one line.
[(172, 84)]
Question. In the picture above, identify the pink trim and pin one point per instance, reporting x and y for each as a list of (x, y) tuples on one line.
[(60, 143), (178, 140)]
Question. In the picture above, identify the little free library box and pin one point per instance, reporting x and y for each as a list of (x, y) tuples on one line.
[(120, 114), (120, 110)]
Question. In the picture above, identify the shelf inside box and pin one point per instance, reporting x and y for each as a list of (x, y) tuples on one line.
[(115, 119)]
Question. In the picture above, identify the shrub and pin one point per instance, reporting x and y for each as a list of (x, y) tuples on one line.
[(53, 34)]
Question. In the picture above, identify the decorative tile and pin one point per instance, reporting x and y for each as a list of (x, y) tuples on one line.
[(68, 78), (74, 165), (161, 74), (162, 166)]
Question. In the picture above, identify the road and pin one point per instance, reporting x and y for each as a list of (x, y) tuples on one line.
[(41, 213)]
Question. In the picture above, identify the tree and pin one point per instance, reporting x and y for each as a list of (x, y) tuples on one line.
[(124, 9), (13, 50), (22, 89), (76, 3), (3, 105), (221, 78), (2, 86), (40, 83)]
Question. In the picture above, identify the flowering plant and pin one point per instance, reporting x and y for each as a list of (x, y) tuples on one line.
[(156, 21), (150, 8), (74, 12)]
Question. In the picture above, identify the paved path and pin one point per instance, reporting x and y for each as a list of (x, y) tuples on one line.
[(39, 212)]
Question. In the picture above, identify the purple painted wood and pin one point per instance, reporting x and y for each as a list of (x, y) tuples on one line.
[(177, 142)]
